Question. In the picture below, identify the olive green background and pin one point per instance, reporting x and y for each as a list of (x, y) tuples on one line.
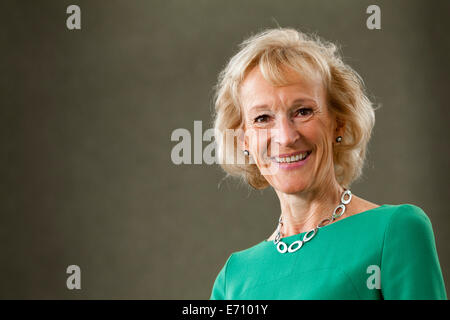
[(86, 118)]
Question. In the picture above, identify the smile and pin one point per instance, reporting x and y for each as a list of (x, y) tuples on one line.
[(292, 158)]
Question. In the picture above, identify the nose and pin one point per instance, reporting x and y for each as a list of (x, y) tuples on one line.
[(286, 133)]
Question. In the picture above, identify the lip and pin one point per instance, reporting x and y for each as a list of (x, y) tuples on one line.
[(291, 154), (292, 165)]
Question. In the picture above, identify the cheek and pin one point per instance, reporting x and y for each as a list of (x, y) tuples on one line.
[(316, 133), (259, 140)]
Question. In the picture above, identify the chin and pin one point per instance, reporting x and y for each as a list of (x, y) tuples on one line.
[(289, 188)]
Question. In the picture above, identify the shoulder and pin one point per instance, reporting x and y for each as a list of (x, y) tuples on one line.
[(404, 218), (409, 261), (250, 252), (401, 213), (378, 220), (408, 228), (408, 215), (240, 260)]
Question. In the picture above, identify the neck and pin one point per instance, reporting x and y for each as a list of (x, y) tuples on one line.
[(303, 211)]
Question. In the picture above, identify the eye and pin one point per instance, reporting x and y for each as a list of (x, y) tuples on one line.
[(304, 112), (261, 118)]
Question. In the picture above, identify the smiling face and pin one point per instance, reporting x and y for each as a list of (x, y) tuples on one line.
[(289, 130)]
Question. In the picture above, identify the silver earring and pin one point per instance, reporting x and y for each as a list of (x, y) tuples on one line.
[(339, 139), (246, 153)]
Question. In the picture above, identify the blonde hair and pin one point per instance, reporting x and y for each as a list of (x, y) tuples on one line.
[(273, 50)]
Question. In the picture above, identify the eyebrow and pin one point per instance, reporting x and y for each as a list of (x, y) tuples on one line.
[(295, 102)]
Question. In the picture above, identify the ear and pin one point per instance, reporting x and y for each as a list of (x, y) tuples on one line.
[(340, 127), (243, 141)]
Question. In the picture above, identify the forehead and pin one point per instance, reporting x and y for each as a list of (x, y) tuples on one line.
[(256, 90)]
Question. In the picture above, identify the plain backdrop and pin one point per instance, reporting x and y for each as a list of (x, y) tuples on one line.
[(86, 118)]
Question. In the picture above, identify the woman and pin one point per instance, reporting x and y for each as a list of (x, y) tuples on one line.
[(301, 122)]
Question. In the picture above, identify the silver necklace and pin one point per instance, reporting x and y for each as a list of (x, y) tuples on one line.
[(296, 245)]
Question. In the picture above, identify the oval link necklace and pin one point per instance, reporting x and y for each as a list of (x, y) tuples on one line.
[(296, 245)]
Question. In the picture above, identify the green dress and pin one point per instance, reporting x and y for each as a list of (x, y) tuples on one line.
[(387, 252)]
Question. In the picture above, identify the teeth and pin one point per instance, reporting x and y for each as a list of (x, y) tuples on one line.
[(295, 158)]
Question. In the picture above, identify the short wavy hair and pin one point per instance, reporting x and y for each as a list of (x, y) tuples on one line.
[(272, 50)]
